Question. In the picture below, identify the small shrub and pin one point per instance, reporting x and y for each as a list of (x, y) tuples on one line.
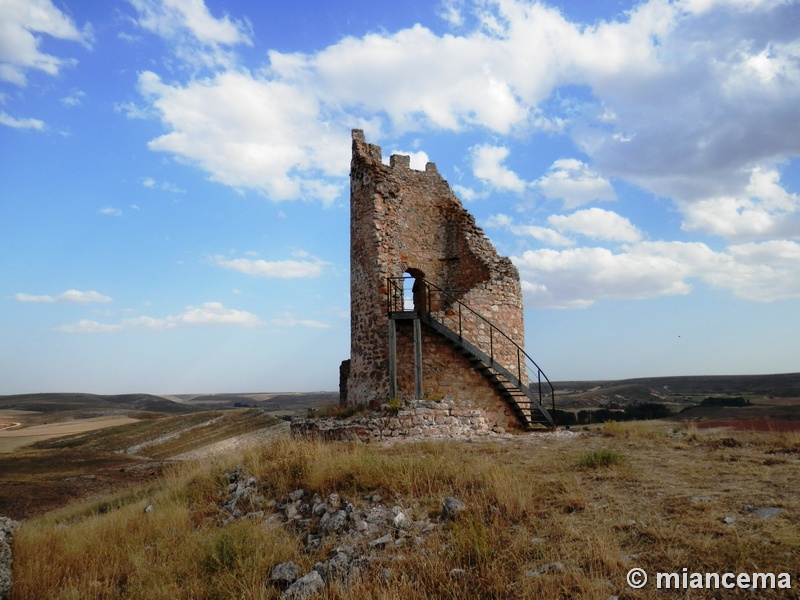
[(337, 411), (471, 542), (600, 458), (394, 405), (221, 556), (614, 429)]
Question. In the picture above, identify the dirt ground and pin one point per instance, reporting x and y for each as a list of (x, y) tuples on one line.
[(14, 434)]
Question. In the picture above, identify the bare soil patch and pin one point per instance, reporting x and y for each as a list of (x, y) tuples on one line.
[(752, 425), (68, 460), (13, 437)]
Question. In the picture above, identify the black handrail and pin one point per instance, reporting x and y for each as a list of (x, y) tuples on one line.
[(449, 303)]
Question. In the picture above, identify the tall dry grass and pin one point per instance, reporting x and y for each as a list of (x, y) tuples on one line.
[(530, 503)]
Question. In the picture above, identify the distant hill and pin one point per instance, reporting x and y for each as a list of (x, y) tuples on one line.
[(58, 402), (782, 385), (79, 405)]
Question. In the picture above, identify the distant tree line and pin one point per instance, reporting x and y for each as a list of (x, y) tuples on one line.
[(723, 401), (634, 412)]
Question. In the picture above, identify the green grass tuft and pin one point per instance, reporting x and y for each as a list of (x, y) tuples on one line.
[(600, 458)]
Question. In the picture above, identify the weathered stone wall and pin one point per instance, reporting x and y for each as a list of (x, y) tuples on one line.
[(405, 220), (447, 376), (418, 418)]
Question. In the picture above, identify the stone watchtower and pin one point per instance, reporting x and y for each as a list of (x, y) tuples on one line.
[(459, 334)]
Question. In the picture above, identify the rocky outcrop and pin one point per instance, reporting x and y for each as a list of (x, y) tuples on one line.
[(7, 529), (363, 533)]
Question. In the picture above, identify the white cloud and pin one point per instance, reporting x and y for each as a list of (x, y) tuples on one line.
[(765, 209), (579, 277), (200, 39), (679, 98), (74, 99), (597, 224), (21, 24), (487, 166), (110, 211), (164, 186), (462, 82), (73, 296), (89, 326), (288, 320), (8, 120), (545, 235), (465, 193), (723, 95), (22, 297), (209, 314), (703, 6), (219, 124), (451, 11), (282, 269), (214, 313), (573, 182), (594, 223)]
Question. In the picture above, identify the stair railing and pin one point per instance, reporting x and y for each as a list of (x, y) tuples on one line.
[(444, 307)]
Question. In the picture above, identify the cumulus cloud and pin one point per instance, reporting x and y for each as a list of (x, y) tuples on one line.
[(763, 210), (289, 320), (462, 83), (72, 296), (546, 235), (573, 182), (22, 24), (487, 166), (199, 38), (73, 99), (692, 126), (9, 121), (598, 224), (281, 269), (164, 186), (579, 277), (681, 98), (110, 211), (208, 314), (219, 124), (593, 223)]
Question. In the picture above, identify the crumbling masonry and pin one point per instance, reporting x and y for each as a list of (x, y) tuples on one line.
[(409, 222)]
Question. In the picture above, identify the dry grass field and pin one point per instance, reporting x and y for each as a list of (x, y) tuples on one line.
[(50, 473), (546, 517), (14, 435)]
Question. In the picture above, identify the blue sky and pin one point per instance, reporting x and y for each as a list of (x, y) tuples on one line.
[(174, 181)]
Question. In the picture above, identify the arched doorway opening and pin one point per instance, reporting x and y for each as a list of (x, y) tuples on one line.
[(414, 294)]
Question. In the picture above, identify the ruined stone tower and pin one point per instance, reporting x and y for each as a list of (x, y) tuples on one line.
[(408, 222)]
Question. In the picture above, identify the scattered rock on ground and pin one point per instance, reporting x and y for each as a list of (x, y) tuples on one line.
[(452, 507), (306, 587), (762, 512), (7, 529), (284, 574), (546, 568), (361, 533)]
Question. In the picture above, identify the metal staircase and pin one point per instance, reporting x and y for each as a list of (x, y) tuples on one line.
[(501, 361)]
